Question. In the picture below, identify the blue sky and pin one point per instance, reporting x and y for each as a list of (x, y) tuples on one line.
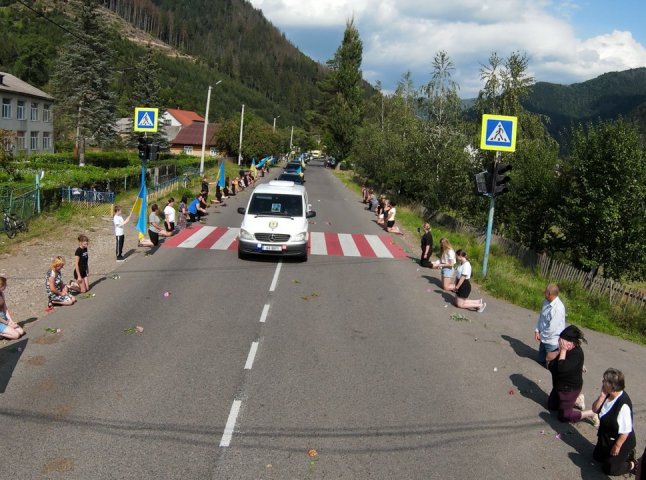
[(566, 41)]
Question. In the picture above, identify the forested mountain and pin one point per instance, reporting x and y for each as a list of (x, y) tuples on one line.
[(608, 96), (207, 40), (233, 37)]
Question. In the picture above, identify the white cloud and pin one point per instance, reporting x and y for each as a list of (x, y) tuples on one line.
[(402, 35)]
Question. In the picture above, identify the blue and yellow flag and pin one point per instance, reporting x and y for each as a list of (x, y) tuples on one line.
[(253, 168), (141, 205), (221, 175)]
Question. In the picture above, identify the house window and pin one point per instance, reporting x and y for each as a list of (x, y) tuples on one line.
[(188, 149), (213, 152), (20, 110), (47, 112), (33, 145), (34, 112), (167, 122), (20, 140), (47, 141), (6, 108)]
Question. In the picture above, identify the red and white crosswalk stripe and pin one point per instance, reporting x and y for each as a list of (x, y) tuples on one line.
[(320, 243)]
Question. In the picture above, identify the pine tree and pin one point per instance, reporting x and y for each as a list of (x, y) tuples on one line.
[(344, 88), (82, 79), (145, 93)]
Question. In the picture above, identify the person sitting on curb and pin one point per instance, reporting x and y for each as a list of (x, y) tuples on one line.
[(8, 328), (57, 291)]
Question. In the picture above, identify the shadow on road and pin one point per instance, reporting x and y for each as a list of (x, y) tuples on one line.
[(564, 432), (9, 357), (522, 349)]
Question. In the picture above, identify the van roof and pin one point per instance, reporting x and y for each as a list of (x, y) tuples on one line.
[(280, 186)]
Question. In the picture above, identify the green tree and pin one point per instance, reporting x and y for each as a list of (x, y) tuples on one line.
[(82, 80), (604, 193), (145, 93), (343, 92)]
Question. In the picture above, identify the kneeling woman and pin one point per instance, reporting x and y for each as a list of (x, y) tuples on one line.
[(616, 442), (462, 287), (567, 376)]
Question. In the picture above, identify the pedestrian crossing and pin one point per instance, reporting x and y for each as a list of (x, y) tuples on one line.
[(320, 243)]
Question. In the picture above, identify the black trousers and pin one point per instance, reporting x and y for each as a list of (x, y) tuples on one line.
[(120, 240)]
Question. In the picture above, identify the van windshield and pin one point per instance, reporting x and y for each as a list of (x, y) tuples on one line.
[(276, 204)]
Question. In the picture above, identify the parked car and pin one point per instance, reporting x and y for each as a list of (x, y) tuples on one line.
[(330, 162)]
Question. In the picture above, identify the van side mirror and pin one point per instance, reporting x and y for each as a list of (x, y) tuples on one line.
[(241, 210), (310, 214)]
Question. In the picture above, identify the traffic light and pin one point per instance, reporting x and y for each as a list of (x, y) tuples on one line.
[(152, 152), (143, 149), (500, 180), (482, 182)]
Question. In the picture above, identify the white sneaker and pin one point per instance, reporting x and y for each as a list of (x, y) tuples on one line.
[(580, 402), (482, 307)]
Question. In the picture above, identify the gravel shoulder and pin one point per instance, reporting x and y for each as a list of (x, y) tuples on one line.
[(27, 263)]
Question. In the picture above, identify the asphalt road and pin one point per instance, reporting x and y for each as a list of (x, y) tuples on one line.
[(338, 368)]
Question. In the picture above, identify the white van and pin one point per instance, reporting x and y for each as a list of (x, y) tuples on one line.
[(275, 221)]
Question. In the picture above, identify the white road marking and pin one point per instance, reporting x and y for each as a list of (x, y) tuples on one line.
[(231, 423), (225, 241), (317, 243), (378, 246), (251, 356), (348, 246), (263, 315), (275, 280), (196, 238)]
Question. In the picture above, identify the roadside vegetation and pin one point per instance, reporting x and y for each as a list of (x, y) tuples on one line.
[(507, 279)]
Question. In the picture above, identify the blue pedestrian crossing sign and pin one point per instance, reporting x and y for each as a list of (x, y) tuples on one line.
[(498, 133), (146, 119)]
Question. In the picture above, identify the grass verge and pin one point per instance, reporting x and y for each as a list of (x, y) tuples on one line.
[(509, 280)]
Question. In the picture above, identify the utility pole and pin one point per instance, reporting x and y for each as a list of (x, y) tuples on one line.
[(291, 140), (206, 124), (240, 147)]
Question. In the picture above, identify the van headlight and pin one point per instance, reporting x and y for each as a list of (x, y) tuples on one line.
[(301, 237), (244, 235)]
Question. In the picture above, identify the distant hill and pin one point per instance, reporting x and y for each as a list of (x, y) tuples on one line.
[(608, 96), (199, 42)]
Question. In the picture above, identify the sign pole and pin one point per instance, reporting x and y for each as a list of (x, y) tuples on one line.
[(492, 205)]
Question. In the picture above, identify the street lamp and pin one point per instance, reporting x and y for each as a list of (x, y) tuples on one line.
[(206, 124), (274, 130)]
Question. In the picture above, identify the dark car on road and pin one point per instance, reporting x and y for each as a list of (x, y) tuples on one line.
[(292, 177)]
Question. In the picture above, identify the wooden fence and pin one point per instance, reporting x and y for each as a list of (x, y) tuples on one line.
[(554, 270)]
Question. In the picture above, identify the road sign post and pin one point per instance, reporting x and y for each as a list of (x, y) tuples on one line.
[(499, 134), (146, 119)]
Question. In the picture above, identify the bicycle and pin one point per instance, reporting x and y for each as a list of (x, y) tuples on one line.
[(13, 224)]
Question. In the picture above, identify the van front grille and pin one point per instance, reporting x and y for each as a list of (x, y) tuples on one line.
[(272, 237)]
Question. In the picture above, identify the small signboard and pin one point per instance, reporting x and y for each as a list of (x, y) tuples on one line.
[(498, 133), (146, 119)]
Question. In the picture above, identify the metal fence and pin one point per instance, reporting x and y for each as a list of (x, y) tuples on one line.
[(21, 203), (78, 198)]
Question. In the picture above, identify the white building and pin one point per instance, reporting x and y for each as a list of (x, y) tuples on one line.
[(28, 112)]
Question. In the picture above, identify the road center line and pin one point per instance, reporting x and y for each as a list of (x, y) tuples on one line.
[(231, 423), (275, 280), (251, 356), (263, 315)]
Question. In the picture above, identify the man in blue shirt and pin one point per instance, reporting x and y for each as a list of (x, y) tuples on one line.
[(195, 210), (551, 323)]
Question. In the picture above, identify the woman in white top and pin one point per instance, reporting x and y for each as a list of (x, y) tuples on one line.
[(463, 286), (615, 449), (445, 263)]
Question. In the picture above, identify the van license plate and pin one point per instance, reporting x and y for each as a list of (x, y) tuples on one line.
[(272, 248)]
